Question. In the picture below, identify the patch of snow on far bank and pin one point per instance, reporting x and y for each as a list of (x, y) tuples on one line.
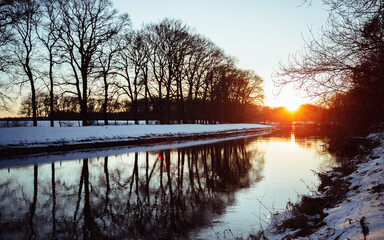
[(45, 136), (363, 206)]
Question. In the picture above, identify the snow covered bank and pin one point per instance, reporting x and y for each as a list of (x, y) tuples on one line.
[(48, 157), (360, 214), (34, 137)]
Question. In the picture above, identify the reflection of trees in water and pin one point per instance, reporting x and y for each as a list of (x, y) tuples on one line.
[(157, 196), (32, 207)]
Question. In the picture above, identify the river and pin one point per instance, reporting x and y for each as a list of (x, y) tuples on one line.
[(225, 189)]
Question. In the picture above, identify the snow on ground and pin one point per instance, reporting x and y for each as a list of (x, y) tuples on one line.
[(68, 123), (363, 206), (46, 136)]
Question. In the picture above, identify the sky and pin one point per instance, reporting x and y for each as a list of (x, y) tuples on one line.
[(258, 33)]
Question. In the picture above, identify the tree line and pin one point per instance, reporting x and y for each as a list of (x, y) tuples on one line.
[(84, 57)]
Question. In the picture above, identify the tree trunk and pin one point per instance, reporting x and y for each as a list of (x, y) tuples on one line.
[(168, 107), (33, 92), (160, 106), (146, 105), (181, 106), (34, 114), (135, 112), (84, 102), (105, 105), (51, 117)]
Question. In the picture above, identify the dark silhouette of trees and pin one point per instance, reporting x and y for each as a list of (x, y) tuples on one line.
[(9, 15), (170, 43), (187, 71), (106, 69), (166, 40), (23, 46), (164, 71), (42, 105), (345, 65), (130, 66), (196, 69), (68, 104), (86, 26), (49, 34), (305, 114)]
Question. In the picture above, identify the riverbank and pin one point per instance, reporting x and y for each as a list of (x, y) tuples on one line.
[(26, 140), (349, 204)]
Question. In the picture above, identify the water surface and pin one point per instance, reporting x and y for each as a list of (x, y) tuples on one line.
[(226, 189)]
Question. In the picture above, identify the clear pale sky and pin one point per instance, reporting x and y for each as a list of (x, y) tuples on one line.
[(258, 33)]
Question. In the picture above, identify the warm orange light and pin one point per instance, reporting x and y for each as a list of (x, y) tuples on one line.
[(292, 107)]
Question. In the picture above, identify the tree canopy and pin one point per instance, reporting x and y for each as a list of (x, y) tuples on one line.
[(85, 54)]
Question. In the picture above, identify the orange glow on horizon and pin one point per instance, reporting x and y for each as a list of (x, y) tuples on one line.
[(292, 107), (289, 100)]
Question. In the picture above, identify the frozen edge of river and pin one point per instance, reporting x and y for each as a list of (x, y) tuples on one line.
[(82, 153), (360, 213), (30, 140)]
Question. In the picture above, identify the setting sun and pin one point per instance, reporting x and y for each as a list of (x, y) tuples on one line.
[(292, 107), (288, 99)]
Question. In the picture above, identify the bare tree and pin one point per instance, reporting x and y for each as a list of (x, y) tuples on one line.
[(6, 20), (203, 58), (106, 68), (23, 45), (246, 90), (105, 59), (146, 52), (326, 64), (157, 69), (172, 70), (9, 15), (170, 41), (216, 86), (216, 59), (42, 101), (178, 46), (49, 33), (130, 64), (87, 25), (348, 58)]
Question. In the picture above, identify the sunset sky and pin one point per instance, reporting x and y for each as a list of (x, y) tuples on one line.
[(258, 33)]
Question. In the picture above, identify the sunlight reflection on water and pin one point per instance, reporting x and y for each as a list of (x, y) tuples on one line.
[(287, 173), (292, 140)]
